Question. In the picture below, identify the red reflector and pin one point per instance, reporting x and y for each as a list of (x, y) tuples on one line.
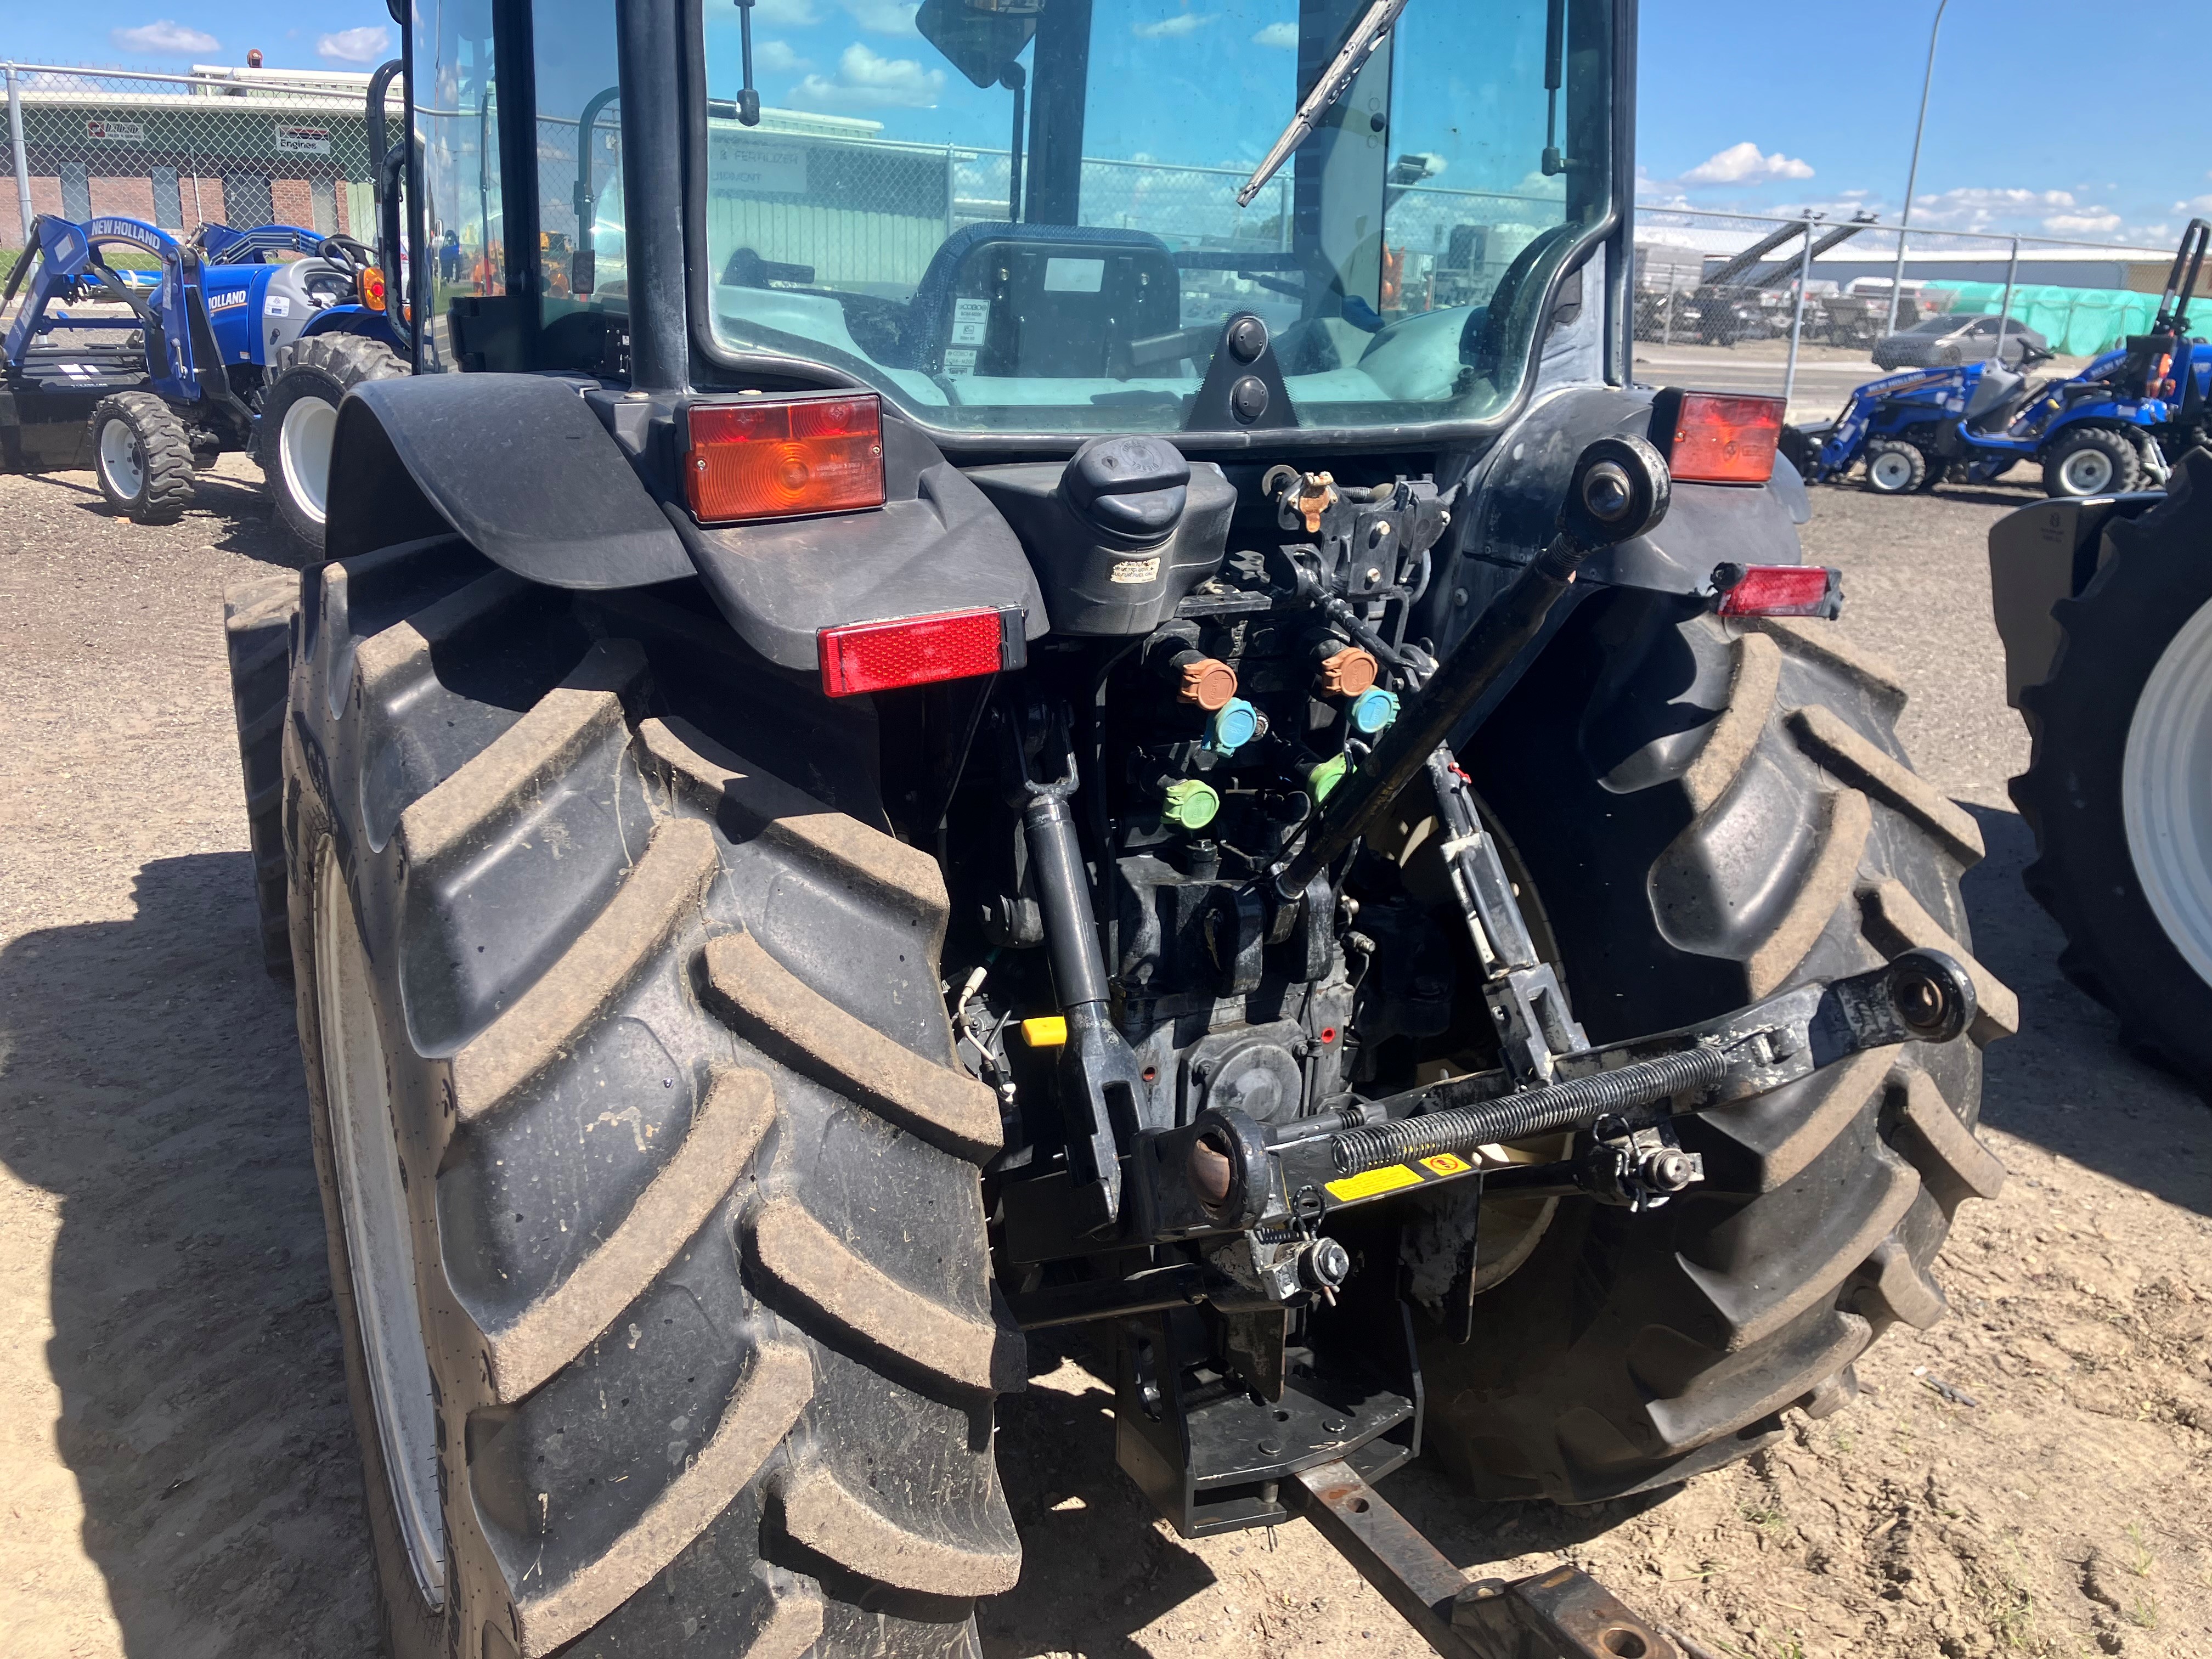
[(370, 285), (882, 656), (1779, 590), (1717, 437), (772, 458)]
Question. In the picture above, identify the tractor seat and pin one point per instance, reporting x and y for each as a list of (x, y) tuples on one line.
[(2000, 395), (1066, 301)]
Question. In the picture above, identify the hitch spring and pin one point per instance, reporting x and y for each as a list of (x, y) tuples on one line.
[(1557, 1106)]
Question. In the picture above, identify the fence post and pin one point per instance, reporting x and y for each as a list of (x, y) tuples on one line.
[(952, 172), (1282, 214), (2004, 311), (15, 145), (1797, 316)]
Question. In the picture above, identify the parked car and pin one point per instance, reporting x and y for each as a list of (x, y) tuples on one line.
[(1941, 342)]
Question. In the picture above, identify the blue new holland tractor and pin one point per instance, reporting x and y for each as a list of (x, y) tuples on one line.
[(2117, 426), (146, 376)]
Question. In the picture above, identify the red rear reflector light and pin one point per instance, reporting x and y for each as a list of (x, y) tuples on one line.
[(773, 458), (953, 645), (370, 285), (1779, 590), (1717, 437)]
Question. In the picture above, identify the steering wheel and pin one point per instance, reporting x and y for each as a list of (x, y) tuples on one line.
[(346, 253)]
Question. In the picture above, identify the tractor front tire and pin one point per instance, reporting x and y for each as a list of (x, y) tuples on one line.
[(2091, 460), (143, 457), (651, 1183), (298, 417), (1711, 814), (2116, 788), (1894, 468)]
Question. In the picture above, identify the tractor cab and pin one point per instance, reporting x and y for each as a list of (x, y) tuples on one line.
[(1031, 220)]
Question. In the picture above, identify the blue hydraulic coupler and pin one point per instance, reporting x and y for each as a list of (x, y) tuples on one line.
[(1235, 724), (1373, 710)]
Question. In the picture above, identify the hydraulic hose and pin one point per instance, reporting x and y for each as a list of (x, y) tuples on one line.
[(1560, 1105)]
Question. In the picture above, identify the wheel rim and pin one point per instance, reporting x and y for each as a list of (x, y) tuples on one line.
[(120, 461), (1890, 471), (379, 1235), (303, 449), (2166, 792), (2086, 472)]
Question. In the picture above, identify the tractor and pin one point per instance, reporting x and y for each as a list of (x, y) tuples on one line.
[(921, 727)]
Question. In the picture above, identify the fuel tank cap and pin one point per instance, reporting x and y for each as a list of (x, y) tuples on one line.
[(1130, 487)]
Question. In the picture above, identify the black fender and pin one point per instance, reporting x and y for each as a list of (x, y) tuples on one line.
[(526, 471), (517, 465)]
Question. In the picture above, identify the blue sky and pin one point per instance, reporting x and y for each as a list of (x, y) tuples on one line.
[(1773, 107)]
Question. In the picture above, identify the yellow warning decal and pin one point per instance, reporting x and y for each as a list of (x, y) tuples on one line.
[(1445, 1164), (1387, 1179)]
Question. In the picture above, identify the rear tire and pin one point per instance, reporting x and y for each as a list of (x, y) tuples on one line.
[(686, 1206), (1709, 817), (2115, 784), (2091, 460), (1893, 468), (143, 457), (256, 625), (292, 438)]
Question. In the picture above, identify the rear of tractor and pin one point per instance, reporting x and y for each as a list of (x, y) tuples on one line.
[(846, 794)]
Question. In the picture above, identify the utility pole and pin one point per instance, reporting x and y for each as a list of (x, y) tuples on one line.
[(1912, 173)]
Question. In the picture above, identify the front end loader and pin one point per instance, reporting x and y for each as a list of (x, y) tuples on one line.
[(921, 725)]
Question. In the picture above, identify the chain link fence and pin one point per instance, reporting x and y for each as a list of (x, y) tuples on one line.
[(234, 146)]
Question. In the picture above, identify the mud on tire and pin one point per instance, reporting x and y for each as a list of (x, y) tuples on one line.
[(1710, 815), (690, 1180)]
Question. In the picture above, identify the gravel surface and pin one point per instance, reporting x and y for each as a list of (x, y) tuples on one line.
[(177, 1465)]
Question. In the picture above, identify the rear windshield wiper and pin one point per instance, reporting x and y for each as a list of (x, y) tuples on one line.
[(1339, 75)]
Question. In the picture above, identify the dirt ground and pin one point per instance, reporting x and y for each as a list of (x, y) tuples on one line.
[(176, 1464)]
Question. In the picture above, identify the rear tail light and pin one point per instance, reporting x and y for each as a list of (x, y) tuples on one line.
[(369, 286), (1779, 590), (1717, 437), (951, 645), (777, 457)]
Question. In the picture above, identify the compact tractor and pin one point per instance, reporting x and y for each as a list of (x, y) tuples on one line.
[(957, 732), (2111, 428), (237, 340)]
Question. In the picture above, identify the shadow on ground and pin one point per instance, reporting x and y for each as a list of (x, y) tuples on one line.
[(152, 1082), (229, 512), (2065, 1082)]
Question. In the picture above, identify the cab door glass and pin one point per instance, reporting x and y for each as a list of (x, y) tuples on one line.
[(582, 274), (454, 96)]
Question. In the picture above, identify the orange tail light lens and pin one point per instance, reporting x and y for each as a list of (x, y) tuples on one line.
[(1779, 590), (773, 458), (1717, 437), (369, 285), (951, 645)]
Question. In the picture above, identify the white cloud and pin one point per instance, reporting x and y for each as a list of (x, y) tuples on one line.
[(2195, 205), (1173, 28), (1743, 164), (165, 38), (1278, 34), (786, 14), (2093, 223), (776, 57), (883, 16), (372, 45), (866, 80)]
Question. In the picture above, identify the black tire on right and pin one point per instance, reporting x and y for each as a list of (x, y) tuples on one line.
[(322, 367), (161, 449), (256, 626), (2116, 446), (1710, 814), (691, 1174), (2156, 576)]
